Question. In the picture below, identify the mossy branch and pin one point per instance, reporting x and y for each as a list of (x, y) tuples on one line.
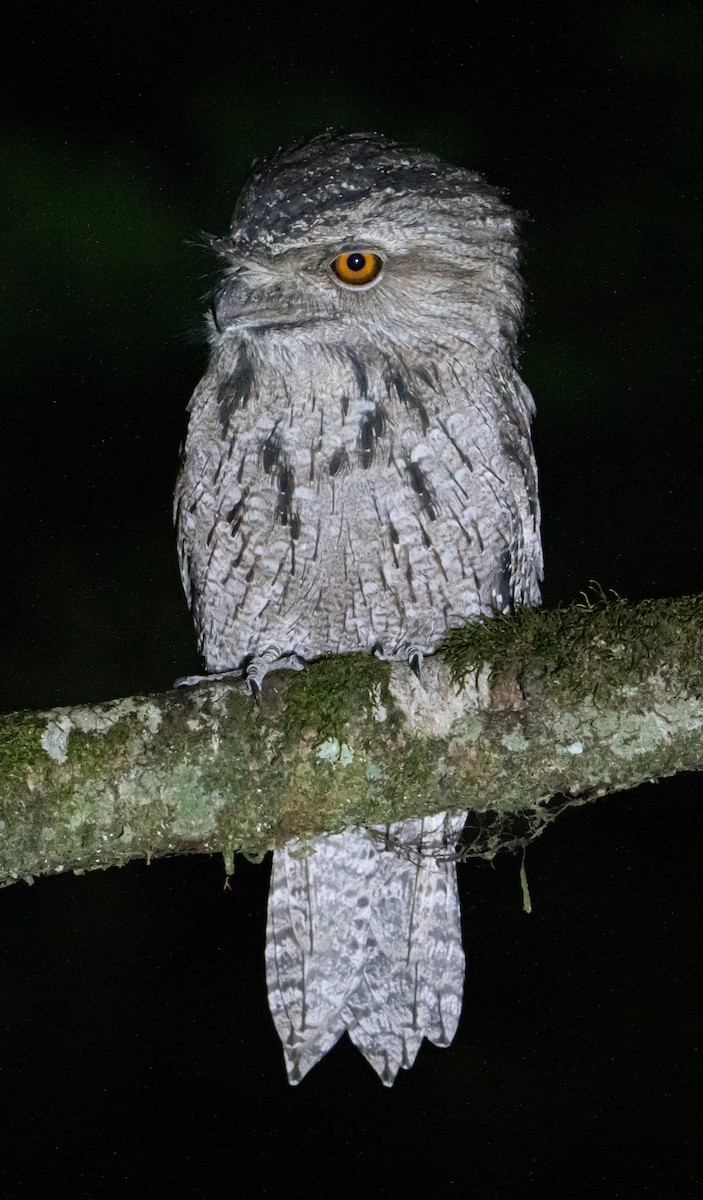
[(515, 712)]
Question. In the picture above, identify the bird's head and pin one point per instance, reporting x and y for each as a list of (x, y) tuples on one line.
[(355, 239)]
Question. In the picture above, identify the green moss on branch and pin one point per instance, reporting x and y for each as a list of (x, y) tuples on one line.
[(518, 710)]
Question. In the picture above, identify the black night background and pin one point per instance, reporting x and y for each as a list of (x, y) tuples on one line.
[(137, 1056)]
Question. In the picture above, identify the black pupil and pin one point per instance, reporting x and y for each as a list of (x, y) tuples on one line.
[(356, 262)]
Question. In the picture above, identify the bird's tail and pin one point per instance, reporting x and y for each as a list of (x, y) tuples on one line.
[(367, 939)]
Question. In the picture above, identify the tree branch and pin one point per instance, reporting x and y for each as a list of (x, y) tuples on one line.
[(571, 703)]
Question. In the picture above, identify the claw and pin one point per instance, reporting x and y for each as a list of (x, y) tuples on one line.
[(185, 681), (270, 660), (415, 662)]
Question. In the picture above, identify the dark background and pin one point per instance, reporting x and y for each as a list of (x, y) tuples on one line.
[(137, 1056)]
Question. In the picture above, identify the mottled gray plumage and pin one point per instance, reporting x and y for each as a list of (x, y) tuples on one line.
[(358, 475)]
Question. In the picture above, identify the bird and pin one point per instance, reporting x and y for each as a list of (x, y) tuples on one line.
[(358, 475)]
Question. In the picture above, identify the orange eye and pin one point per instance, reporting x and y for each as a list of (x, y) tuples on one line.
[(357, 267)]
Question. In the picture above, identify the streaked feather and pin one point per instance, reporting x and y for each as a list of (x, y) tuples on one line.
[(358, 474)]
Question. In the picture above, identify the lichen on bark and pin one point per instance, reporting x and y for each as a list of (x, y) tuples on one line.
[(515, 718)]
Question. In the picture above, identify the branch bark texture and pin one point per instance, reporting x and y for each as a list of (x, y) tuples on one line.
[(514, 712)]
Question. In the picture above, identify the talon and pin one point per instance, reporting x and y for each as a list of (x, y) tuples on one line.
[(258, 668), (185, 681), (415, 662)]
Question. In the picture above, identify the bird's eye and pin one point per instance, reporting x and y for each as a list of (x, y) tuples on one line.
[(357, 268)]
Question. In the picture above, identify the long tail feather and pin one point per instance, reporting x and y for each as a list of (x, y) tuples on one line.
[(368, 940)]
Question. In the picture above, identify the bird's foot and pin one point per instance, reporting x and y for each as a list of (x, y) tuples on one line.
[(270, 660), (252, 674), (407, 652), (185, 681)]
